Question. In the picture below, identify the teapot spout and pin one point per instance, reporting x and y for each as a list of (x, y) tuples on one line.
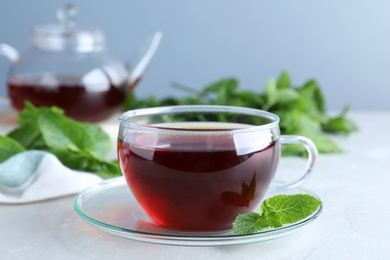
[(9, 51), (150, 48)]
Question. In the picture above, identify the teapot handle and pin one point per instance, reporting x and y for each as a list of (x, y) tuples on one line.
[(144, 59), (9, 51), (13, 55)]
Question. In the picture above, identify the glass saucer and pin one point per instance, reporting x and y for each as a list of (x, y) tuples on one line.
[(112, 208)]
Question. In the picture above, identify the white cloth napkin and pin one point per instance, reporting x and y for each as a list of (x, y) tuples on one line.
[(37, 175)]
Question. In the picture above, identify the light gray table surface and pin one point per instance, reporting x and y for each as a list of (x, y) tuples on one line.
[(354, 224)]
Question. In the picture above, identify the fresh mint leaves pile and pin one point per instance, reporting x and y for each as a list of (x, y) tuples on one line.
[(276, 212), (301, 109), (79, 146)]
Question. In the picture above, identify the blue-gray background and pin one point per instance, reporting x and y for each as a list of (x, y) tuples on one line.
[(345, 45)]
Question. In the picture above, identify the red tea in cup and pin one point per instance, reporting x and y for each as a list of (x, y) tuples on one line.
[(176, 183), (192, 169)]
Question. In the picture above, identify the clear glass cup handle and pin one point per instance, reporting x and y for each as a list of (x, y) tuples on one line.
[(311, 160)]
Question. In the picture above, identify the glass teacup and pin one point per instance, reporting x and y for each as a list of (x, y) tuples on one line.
[(195, 168)]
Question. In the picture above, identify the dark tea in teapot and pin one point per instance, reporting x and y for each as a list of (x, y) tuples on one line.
[(81, 102)]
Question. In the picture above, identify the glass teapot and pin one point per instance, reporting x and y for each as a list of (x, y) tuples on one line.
[(69, 67)]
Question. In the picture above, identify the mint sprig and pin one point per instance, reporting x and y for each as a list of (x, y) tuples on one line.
[(276, 212)]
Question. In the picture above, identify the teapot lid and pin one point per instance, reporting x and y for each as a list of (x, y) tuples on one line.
[(67, 35)]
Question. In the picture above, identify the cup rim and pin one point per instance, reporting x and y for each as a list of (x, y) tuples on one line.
[(125, 118)]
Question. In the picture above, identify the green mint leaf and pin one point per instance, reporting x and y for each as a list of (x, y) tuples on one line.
[(286, 95), (290, 208), (270, 94), (61, 131), (311, 99), (307, 126), (9, 148), (101, 146), (276, 212), (222, 91), (283, 81), (83, 160), (276, 96), (248, 223), (28, 133), (29, 115), (29, 136), (340, 124)]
